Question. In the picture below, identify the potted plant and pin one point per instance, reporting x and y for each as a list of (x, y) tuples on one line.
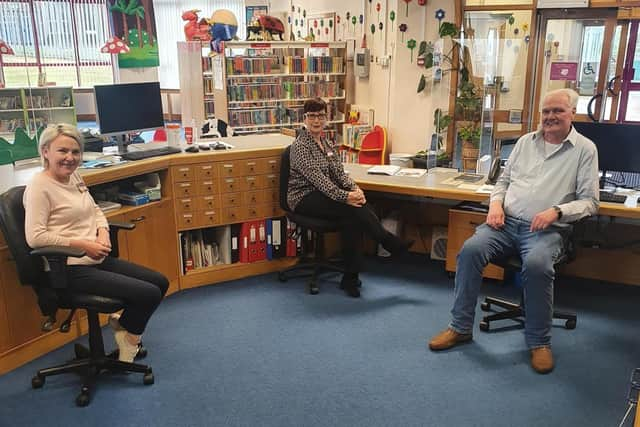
[(469, 134)]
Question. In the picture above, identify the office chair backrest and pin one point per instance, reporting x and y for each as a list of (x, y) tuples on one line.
[(285, 165), (30, 269)]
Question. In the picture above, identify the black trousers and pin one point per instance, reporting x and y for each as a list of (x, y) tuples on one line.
[(354, 222), (140, 288)]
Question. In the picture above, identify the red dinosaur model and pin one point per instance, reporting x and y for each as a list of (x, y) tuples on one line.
[(194, 29)]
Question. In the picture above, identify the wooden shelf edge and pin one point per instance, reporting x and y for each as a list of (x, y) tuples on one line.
[(223, 273)]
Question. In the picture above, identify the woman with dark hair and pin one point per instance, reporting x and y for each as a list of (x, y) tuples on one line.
[(319, 187)]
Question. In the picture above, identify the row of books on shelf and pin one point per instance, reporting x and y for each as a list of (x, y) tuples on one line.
[(354, 134), (10, 102), (282, 90), (10, 125), (247, 65), (348, 156), (246, 242), (287, 64), (313, 64), (271, 115)]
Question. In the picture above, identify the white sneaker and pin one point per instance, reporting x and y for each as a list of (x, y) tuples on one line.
[(128, 351)]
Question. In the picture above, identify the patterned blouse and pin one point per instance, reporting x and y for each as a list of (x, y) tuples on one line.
[(312, 169)]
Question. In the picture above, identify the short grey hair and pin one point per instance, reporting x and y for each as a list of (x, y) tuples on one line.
[(572, 96), (52, 132)]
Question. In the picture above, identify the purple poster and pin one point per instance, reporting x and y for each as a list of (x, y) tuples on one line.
[(564, 71)]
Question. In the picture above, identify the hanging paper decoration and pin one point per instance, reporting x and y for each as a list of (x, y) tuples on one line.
[(337, 19), (527, 38), (289, 19), (330, 23), (392, 17), (353, 21), (525, 27), (403, 29), (411, 44), (326, 30), (516, 31), (293, 8), (304, 13), (378, 7), (440, 15), (380, 26), (511, 20), (315, 23), (422, 2), (407, 2), (299, 34), (298, 9)]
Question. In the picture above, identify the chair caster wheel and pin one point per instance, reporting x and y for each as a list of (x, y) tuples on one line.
[(570, 324), (282, 277), (484, 326), (37, 381), (142, 352), (313, 289), (83, 398), (148, 378), (485, 306), (451, 274)]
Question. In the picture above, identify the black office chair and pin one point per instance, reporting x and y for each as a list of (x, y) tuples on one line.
[(516, 311), (49, 283), (308, 266)]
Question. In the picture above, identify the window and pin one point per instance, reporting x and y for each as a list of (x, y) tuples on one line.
[(59, 40), (171, 31)]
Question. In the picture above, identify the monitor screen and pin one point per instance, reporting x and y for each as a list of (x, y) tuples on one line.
[(618, 145), (129, 107)]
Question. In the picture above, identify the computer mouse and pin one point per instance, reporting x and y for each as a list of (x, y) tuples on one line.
[(192, 149), (219, 146), (204, 146)]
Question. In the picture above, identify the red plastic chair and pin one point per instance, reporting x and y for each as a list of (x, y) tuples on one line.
[(373, 150)]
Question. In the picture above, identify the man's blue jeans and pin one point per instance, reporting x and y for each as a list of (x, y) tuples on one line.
[(538, 250)]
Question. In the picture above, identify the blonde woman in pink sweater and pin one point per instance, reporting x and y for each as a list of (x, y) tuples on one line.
[(60, 211)]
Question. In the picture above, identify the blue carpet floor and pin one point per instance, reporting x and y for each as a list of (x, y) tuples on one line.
[(257, 352)]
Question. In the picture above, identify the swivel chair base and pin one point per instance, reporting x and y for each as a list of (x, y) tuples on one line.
[(311, 267), (517, 311), (91, 362)]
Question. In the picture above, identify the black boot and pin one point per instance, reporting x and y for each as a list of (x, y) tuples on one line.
[(351, 284), (395, 245)]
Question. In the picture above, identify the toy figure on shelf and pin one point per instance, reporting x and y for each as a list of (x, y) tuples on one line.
[(265, 27), (194, 29), (214, 128), (224, 26), (354, 116)]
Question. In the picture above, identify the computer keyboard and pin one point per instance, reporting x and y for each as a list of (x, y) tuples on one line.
[(469, 177), (607, 196), (153, 152)]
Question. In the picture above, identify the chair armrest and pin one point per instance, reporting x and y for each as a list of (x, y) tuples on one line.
[(59, 251), (114, 227), (121, 225)]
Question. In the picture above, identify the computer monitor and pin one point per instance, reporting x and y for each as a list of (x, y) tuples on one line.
[(125, 108), (618, 149)]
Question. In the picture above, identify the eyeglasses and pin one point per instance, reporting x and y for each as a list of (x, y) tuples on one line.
[(313, 116)]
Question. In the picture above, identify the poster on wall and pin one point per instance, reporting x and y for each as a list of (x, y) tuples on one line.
[(251, 14), (133, 22), (322, 26)]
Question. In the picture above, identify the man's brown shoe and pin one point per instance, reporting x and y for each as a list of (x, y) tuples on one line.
[(447, 339), (542, 360)]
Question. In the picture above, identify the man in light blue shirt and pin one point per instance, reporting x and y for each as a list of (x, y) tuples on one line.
[(550, 180)]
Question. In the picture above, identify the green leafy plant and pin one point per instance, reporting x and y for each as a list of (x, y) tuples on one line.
[(468, 103), (470, 134)]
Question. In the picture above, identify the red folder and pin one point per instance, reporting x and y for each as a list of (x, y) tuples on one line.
[(291, 239), (244, 242)]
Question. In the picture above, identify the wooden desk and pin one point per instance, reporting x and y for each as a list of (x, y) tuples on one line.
[(154, 242), (430, 185)]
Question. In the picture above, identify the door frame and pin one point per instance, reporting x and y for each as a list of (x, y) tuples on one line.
[(543, 16)]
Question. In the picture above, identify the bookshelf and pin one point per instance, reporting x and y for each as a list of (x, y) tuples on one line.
[(33, 107), (266, 83)]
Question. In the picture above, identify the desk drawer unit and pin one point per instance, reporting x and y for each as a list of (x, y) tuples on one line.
[(184, 189), (185, 205), (231, 199), (183, 173), (462, 225), (206, 172)]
